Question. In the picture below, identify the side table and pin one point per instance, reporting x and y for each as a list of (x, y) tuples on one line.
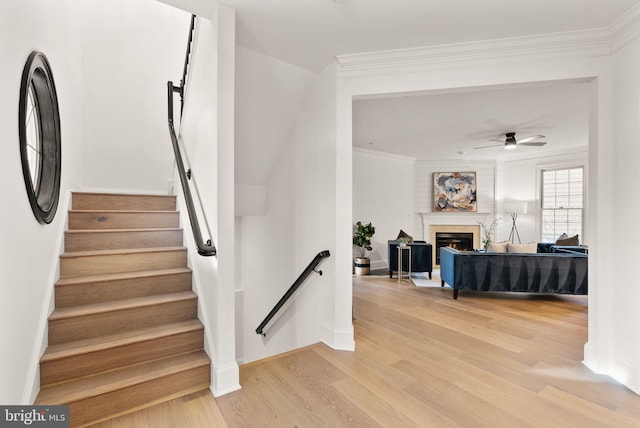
[(402, 248)]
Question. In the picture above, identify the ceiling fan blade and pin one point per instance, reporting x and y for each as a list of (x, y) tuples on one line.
[(486, 147), (531, 138), (532, 143), (498, 140)]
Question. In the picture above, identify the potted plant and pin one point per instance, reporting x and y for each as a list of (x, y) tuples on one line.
[(403, 241), (488, 230), (362, 234)]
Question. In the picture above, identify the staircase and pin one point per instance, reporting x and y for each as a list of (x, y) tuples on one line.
[(124, 333)]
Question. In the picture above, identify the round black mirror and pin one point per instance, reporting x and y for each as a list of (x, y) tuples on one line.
[(40, 142)]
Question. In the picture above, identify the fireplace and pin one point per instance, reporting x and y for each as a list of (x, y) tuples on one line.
[(464, 237), (462, 241)]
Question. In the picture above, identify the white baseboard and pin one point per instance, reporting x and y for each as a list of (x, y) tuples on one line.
[(597, 362), (32, 383), (224, 379), (339, 339), (611, 365), (625, 373)]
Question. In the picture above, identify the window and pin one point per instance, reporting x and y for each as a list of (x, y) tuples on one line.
[(562, 202), (39, 131)]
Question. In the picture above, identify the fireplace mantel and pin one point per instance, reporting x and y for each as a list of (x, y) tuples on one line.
[(457, 219), (452, 222)]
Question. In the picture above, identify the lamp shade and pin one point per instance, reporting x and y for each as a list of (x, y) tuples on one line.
[(515, 207)]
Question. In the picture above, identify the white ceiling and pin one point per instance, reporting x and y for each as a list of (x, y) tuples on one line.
[(449, 125), (310, 33)]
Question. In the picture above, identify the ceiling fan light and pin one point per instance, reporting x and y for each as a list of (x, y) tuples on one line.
[(509, 145)]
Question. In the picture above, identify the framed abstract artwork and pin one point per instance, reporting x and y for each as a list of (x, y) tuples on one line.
[(454, 192)]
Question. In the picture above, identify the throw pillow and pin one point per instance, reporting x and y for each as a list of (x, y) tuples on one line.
[(531, 247), (497, 247), (404, 234), (569, 241)]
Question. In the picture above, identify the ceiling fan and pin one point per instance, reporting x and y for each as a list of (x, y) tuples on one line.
[(510, 141)]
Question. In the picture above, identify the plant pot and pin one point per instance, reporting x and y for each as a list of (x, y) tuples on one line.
[(362, 265)]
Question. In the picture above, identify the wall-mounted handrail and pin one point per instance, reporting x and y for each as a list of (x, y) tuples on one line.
[(187, 57), (269, 319), (204, 249)]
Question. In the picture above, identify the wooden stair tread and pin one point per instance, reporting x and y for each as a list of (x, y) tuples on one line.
[(68, 349), (120, 251), (102, 383), (152, 229), (107, 194), (73, 280), (123, 211), (119, 305)]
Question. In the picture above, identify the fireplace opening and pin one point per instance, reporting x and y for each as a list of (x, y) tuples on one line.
[(461, 241)]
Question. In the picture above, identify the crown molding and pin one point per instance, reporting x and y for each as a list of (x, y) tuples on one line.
[(595, 42), (625, 29), (390, 157), (455, 164), (552, 156)]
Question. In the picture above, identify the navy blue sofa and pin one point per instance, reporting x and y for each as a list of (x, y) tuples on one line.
[(559, 272), (552, 247)]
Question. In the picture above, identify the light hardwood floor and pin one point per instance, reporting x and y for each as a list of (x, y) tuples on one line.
[(423, 359)]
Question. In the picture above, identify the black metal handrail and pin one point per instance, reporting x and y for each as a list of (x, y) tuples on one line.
[(204, 249), (298, 282), (187, 57)]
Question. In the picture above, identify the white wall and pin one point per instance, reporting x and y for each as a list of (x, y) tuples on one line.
[(29, 255), (269, 94), (283, 137), (376, 195), (383, 194), (207, 131), (299, 223), (266, 109), (485, 192), (623, 350), (251, 200), (520, 181), (267, 266), (130, 50)]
